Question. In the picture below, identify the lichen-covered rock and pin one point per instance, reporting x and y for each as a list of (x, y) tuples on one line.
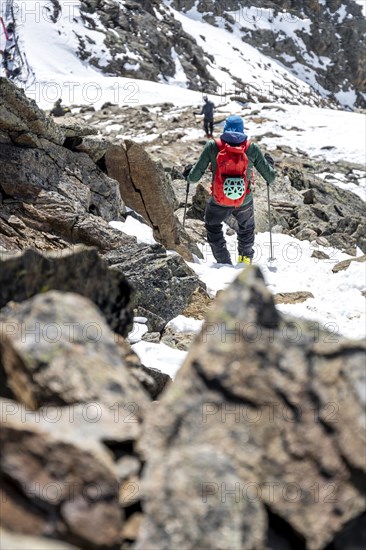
[(56, 348), (54, 486)]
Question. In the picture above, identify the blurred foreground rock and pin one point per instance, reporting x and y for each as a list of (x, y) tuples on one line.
[(57, 349), (52, 485), (263, 429)]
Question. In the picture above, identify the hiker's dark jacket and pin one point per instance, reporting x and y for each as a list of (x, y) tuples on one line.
[(254, 154), (208, 111)]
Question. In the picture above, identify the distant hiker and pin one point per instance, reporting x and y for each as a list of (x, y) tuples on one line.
[(232, 158), (58, 110), (208, 115)]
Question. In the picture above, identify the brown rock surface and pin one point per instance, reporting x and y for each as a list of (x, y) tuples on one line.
[(78, 269), (144, 188), (341, 266), (292, 297), (53, 487)]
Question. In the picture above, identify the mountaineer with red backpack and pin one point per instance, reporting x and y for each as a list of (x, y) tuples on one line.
[(232, 158)]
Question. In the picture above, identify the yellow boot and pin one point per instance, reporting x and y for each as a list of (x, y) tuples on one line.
[(244, 260)]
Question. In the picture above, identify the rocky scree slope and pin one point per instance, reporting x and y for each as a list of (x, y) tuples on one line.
[(139, 39), (85, 450)]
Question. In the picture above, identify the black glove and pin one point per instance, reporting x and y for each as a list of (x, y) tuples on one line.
[(269, 159), (186, 171)]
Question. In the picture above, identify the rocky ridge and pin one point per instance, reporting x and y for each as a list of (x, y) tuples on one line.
[(53, 195)]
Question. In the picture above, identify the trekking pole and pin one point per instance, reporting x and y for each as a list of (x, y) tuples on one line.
[(271, 258), (185, 204), (4, 28)]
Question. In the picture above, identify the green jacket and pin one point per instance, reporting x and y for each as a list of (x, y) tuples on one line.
[(255, 156)]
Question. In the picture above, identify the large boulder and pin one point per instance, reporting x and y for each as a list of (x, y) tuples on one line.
[(56, 348), (145, 188), (261, 433), (164, 284), (47, 191), (80, 270)]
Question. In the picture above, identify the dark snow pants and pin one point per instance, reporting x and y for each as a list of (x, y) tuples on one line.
[(215, 215), (208, 126)]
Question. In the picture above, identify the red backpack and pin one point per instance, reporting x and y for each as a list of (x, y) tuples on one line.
[(230, 185)]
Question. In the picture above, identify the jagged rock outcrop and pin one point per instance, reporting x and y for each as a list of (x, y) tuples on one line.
[(58, 476), (53, 195), (146, 189), (21, 121), (49, 195), (79, 270), (262, 431)]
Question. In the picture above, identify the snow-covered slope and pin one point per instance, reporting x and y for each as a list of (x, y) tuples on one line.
[(321, 42), (82, 49), (242, 70), (337, 305), (78, 80)]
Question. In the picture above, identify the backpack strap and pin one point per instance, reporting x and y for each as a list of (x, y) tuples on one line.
[(219, 143)]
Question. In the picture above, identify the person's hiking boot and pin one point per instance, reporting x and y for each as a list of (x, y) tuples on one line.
[(223, 260), (244, 260)]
